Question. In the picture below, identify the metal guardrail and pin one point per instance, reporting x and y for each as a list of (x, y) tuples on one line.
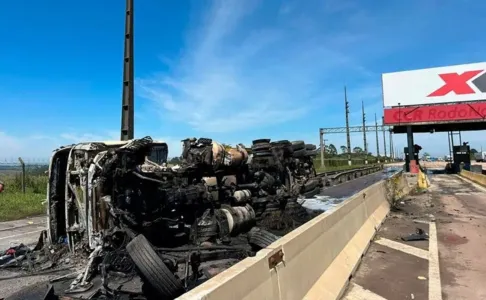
[(336, 177)]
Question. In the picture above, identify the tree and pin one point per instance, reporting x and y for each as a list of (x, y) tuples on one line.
[(474, 151), (344, 149), (332, 149), (426, 154), (357, 150)]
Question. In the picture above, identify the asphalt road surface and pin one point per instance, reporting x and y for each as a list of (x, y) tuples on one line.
[(332, 196), (24, 231)]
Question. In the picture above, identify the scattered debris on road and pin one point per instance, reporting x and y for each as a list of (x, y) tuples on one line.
[(419, 235)]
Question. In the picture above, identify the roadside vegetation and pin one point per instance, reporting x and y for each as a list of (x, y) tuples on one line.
[(14, 204)]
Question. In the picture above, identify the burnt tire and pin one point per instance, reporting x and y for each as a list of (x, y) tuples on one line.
[(299, 153), (311, 152), (261, 141), (310, 185), (310, 147), (153, 269), (312, 193), (298, 145), (261, 238), (263, 153), (262, 146)]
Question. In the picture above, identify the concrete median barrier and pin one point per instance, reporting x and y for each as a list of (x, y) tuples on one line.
[(476, 177), (316, 260)]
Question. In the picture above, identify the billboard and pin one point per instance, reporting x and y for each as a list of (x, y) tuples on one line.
[(459, 83), (433, 114)]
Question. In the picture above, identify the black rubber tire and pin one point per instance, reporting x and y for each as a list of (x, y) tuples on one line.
[(312, 193), (153, 269), (310, 185), (262, 146), (310, 152), (282, 143), (205, 140), (310, 147), (297, 145), (299, 153), (263, 153), (261, 238), (261, 141)]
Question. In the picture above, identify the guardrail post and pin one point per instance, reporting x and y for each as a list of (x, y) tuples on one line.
[(22, 164)]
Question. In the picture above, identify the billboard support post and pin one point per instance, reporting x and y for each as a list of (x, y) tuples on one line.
[(384, 137), (411, 149)]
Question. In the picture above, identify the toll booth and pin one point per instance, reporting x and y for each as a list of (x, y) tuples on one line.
[(462, 156), (407, 159)]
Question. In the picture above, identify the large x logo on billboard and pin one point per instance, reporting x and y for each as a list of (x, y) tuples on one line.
[(461, 84)]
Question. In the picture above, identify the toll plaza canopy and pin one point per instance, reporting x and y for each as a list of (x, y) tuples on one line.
[(449, 98)]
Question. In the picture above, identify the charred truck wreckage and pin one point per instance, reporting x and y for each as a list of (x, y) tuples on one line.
[(140, 229)]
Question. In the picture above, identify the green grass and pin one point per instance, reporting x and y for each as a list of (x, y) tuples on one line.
[(341, 164), (16, 205)]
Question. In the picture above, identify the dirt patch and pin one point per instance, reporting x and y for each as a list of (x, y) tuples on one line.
[(393, 274)]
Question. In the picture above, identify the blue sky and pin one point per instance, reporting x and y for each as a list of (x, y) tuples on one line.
[(231, 70)]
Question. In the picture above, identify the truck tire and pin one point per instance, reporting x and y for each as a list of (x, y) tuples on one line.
[(310, 185), (312, 193), (153, 269), (299, 153), (261, 141), (262, 146), (261, 238), (310, 147), (298, 145)]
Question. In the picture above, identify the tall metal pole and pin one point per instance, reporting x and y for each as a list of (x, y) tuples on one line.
[(127, 117), (364, 134), (377, 141), (384, 135), (392, 154), (348, 139)]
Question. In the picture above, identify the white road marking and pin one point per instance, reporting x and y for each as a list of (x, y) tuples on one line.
[(404, 248), (421, 221), (435, 289), (20, 234), (357, 292)]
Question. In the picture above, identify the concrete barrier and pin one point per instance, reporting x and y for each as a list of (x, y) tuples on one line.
[(316, 260), (476, 177)]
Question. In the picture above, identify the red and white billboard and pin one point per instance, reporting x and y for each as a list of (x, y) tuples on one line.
[(459, 83), (445, 113)]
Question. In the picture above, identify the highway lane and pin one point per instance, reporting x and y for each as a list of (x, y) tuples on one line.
[(332, 196), (24, 231)]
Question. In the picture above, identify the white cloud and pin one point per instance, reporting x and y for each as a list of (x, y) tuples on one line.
[(237, 74)]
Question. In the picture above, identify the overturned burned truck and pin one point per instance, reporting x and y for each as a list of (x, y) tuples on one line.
[(121, 206)]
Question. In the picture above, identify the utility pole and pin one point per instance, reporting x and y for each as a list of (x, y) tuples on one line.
[(377, 140), (364, 133), (384, 135), (127, 126), (346, 105)]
